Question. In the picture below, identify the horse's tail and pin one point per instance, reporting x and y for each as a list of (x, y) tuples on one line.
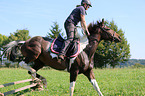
[(12, 50)]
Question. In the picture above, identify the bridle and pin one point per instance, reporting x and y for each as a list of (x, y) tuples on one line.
[(113, 36), (104, 29)]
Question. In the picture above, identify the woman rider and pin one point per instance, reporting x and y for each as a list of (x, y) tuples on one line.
[(76, 16)]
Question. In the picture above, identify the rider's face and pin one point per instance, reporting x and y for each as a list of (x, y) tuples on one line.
[(86, 6)]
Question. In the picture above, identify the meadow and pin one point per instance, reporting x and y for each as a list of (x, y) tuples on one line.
[(112, 82)]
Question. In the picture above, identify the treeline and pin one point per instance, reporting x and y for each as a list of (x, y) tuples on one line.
[(132, 62), (22, 35), (107, 53)]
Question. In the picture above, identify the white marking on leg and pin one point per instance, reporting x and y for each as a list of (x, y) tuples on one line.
[(33, 71), (72, 85), (96, 87)]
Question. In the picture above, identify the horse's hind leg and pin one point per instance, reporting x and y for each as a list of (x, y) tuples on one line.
[(24, 64), (38, 65), (33, 71), (31, 51), (43, 80), (91, 77)]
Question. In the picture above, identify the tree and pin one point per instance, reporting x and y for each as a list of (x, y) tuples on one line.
[(19, 35), (3, 38), (110, 52), (55, 31)]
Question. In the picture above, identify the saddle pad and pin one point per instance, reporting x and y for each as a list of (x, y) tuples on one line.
[(73, 50)]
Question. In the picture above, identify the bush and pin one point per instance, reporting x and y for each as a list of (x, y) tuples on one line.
[(7, 64), (138, 65)]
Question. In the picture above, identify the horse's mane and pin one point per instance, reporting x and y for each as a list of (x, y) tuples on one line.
[(92, 27)]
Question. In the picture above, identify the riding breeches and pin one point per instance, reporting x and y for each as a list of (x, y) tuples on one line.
[(71, 32)]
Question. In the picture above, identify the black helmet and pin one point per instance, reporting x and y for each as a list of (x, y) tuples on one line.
[(87, 2)]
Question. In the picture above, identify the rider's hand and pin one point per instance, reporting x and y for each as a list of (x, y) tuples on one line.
[(87, 33)]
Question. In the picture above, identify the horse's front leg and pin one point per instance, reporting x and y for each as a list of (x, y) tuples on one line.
[(91, 77), (33, 71), (73, 77)]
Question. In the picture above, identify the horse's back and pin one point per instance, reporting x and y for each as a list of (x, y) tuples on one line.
[(32, 48)]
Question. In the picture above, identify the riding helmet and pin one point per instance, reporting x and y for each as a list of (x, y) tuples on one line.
[(87, 2)]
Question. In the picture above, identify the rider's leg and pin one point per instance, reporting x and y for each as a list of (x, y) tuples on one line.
[(64, 49), (69, 27)]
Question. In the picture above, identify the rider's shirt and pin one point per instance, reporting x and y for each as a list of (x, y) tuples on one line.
[(75, 15)]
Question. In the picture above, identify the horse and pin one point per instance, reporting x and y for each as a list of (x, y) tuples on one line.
[(37, 50)]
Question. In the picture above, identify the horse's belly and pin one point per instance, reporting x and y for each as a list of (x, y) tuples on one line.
[(51, 60)]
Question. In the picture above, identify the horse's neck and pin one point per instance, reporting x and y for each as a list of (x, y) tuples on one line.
[(91, 48)]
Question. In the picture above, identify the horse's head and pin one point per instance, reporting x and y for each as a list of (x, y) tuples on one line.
[(103, 32)]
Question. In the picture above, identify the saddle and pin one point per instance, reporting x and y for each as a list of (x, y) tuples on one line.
[(73, 50)]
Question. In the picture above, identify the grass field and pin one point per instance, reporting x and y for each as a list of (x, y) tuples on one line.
[(112, 82)]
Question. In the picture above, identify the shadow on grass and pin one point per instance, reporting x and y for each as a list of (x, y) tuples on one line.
[(22, 92)]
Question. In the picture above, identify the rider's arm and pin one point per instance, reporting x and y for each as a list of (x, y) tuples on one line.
[(84, 25)]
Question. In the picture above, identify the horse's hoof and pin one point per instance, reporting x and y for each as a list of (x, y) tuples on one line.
[(36, 80), (44, 83)]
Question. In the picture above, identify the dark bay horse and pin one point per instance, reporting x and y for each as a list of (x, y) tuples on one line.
[(37, 50)]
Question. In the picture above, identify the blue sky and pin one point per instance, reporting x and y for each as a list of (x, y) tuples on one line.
[(38, 15)]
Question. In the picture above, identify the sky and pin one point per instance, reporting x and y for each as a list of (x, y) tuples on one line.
[(38, 16)]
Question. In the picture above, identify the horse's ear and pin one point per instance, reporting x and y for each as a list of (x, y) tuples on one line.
[(102, 21), (97, 22)]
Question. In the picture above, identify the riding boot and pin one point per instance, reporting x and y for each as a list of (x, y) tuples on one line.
[(64, 49)]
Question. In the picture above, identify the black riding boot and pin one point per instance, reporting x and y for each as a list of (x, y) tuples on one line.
[(64, 49)]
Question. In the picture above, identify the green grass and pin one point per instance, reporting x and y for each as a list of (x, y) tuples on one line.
[(112, 82)]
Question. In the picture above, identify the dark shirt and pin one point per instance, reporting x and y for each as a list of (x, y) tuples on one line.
[(75, 15)]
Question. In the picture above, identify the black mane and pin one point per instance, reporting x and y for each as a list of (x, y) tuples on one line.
[(92, 27)]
